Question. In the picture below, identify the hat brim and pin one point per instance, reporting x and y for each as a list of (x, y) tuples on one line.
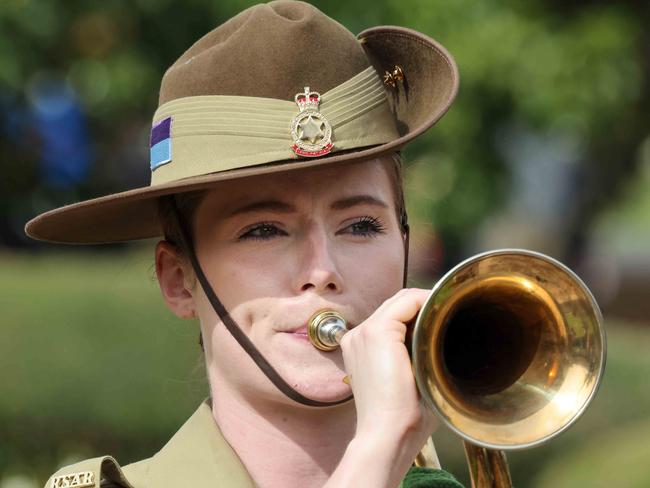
[(429, 88)]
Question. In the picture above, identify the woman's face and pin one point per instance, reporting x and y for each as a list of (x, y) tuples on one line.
[(277, 249)]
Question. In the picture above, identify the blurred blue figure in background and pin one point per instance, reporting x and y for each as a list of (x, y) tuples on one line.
[(62, 130), (47, 152)]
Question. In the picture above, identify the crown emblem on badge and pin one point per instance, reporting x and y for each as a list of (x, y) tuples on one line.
[(310, 130)]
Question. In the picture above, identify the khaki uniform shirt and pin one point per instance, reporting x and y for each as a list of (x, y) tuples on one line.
[(197, 456)]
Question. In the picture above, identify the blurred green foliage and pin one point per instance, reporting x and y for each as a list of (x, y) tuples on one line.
[(574, 71)]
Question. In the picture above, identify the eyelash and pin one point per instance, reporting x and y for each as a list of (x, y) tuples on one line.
[(372, 227), (262, 227)]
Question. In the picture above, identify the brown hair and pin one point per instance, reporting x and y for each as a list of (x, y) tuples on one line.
[(188, 202)]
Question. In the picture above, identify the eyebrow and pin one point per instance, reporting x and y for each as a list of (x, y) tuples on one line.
[(276, 206), (348, 202), (279, 206)]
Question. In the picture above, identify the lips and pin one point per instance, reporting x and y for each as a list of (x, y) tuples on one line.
[(296, 329), (299, 334)]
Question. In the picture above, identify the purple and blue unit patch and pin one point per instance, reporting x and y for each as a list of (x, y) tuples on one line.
[(160, 143)]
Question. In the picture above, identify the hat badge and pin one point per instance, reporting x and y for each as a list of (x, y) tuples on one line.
[(310, 130)]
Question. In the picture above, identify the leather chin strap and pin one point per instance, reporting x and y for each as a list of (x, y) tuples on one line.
[(236, 331)]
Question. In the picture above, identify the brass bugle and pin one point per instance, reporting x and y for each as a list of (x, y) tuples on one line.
[(508, 349)]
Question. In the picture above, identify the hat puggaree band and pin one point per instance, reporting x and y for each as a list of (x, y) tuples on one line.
[(215, 133)]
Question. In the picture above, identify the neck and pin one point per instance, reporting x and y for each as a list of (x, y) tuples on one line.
[(284, 444)]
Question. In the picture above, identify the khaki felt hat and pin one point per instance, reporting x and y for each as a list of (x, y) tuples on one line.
[(278, 87)]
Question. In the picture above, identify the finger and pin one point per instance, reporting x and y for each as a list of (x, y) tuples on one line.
[(404, 305)]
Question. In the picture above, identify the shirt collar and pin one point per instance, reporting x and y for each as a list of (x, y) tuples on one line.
[(198, 455)]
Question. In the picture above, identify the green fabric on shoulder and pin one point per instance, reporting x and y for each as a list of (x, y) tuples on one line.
[(429, 478)]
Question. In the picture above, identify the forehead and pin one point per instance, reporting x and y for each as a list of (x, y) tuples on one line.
[(368, 177)]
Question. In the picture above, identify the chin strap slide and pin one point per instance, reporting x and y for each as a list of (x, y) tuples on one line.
[(406, 230)]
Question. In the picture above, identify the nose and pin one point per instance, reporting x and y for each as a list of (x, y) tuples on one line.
[(318, 264)]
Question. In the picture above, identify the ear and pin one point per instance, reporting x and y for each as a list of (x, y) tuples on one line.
[(175, 280)]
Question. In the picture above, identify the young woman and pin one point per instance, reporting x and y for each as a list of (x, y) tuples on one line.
[(277, 201)]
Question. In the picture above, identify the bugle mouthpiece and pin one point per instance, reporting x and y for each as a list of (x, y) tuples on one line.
[(325, 329)]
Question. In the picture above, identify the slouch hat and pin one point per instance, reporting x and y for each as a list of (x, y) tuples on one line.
[(279, 87)]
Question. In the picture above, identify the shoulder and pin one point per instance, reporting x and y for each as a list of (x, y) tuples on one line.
[(99, 472)]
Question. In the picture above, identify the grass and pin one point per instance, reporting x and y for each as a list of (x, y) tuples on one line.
[(616, 457), (90, 357)]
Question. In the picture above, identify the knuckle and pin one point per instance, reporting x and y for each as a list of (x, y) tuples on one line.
[(351, 338), (354, 335), (399, 294), (410, 293), (365, 333), (346, 339)]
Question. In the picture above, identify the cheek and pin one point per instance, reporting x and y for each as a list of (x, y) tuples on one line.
[(248, 287), (375, 274), (240, 277)]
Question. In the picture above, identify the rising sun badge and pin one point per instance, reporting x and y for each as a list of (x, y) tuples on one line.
[(310, 130)]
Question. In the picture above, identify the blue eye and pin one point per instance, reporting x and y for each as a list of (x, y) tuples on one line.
[(263, 231), (367, 227)]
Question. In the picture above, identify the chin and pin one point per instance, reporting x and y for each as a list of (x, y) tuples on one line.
[(322, 382), (325, 392)]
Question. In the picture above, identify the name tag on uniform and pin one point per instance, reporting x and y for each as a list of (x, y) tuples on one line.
[(77, 480)]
